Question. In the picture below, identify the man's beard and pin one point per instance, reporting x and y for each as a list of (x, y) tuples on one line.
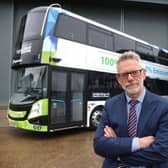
[(134, 91)]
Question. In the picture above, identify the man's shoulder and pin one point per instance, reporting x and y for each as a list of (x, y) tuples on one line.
[(116, 98), (155, 97)]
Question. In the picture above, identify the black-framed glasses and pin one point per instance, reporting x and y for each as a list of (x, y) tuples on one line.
[(135, 73)]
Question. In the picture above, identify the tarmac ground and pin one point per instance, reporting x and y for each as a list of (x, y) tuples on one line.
[(66, 149)]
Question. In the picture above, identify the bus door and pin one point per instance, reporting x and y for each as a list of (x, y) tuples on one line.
[(67, 99)]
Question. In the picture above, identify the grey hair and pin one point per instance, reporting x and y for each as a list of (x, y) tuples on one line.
[(130, 55)]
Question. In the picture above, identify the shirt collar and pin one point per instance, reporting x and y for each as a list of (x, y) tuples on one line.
[(139, 98)]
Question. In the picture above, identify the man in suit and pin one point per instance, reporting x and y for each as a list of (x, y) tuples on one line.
[(140, 141)]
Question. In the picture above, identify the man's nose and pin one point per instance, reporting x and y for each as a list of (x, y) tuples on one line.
[(130, 77)]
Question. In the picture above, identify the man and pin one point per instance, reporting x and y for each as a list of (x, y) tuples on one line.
[(133, 134)]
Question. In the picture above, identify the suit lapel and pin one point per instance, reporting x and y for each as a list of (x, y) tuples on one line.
[(122, 115), (145, 114)]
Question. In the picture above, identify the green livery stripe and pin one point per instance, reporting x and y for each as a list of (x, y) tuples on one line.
[(46, 55), (44, 107), (18, 114)]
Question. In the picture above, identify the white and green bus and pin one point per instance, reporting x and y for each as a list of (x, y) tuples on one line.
[(64, 69)]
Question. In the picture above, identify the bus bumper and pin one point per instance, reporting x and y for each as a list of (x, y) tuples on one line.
[(27, 126)]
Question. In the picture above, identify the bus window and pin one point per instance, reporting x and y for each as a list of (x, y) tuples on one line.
[(154, 86), (102, 85), (77, 94), (142, 48), (123, 43), (58, 97), (20, 38), (29, 85), (99, 38), (34, 24), (71, 29)]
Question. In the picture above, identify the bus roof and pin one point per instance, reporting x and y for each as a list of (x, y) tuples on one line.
[(87, 20), (104, 26)]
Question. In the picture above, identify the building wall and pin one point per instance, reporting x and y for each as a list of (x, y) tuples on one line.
[(146, 21), (6, 37)]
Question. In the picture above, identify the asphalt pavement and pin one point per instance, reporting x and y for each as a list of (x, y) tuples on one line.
[(65, 149)]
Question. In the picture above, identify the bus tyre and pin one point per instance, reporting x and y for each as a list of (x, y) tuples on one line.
[(95, 118)]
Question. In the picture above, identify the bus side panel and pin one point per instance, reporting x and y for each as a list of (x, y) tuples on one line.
[(50, 42)]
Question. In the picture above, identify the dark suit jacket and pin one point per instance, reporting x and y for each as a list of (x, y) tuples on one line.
[(153, 121)]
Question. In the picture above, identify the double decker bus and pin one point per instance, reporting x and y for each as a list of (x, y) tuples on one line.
[(64, 69)]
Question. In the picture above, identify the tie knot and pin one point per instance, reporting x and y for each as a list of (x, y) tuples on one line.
[(133, 102)]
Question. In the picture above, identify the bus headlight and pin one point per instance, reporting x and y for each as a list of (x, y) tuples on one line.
[(36, 110)]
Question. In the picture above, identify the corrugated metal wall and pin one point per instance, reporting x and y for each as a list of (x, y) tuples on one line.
[(145, 21)]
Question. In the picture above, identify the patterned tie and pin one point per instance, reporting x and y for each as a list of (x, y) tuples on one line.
[(132, 120)]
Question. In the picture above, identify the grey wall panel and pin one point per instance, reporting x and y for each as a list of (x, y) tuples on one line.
[(149, 24), (6, 33), (150, 1), (109, 16), (145, 22)]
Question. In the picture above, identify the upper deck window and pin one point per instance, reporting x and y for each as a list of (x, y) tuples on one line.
[(34, 24), (100, 38), (71, 28)]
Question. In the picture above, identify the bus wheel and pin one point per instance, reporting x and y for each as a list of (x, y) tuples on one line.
[(95, 118)]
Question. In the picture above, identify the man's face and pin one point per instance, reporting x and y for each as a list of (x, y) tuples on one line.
[(131, 77)]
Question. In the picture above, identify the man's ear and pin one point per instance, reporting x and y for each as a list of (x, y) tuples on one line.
[(144, 74), (117, 77)]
